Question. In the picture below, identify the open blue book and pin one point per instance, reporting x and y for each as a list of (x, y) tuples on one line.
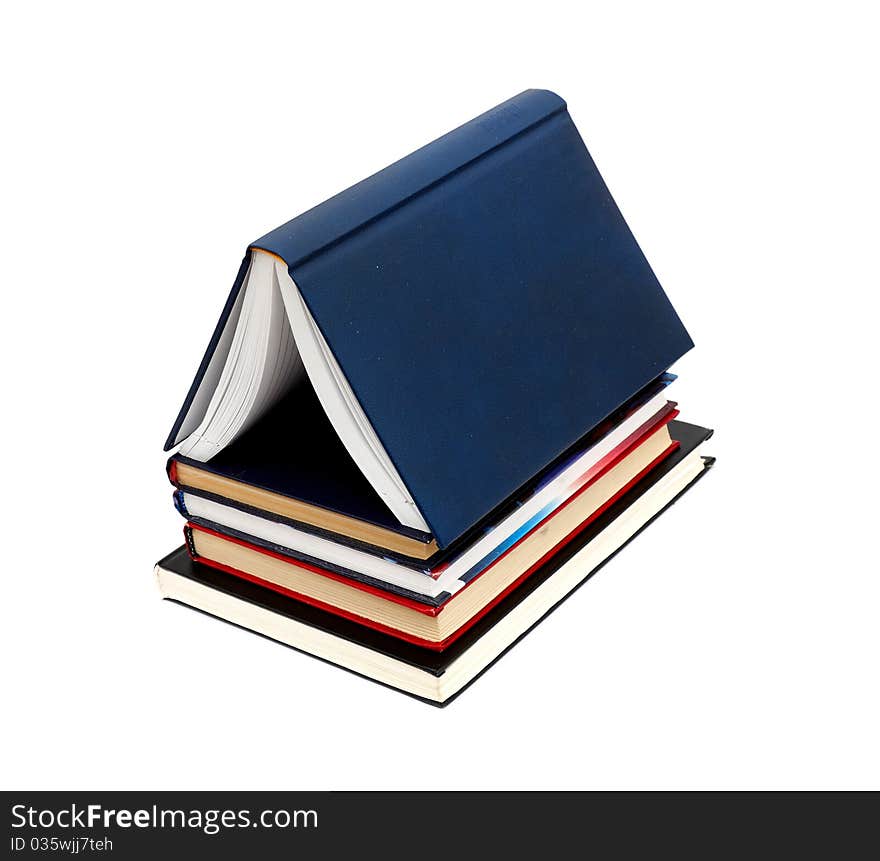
[(399, 363)]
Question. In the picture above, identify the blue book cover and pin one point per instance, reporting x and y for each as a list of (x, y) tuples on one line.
[(486, 302)]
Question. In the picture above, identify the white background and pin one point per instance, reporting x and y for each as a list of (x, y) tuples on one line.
[(735, 644)]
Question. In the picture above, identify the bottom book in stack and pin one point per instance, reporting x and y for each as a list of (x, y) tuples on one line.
[(394, 642)]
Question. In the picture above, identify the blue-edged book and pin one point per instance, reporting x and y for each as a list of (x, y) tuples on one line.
[(396, 364)]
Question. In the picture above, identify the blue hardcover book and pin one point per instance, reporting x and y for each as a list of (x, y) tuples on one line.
[(464, 317)]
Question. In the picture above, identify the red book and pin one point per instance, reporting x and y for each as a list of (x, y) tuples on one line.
[(437, 625)]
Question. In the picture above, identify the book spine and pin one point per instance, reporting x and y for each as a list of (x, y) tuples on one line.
[(171, 471), (179, 503), (353, 209), (190, 544)]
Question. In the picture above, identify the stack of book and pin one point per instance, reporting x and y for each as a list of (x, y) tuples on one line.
[(432, 407)]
